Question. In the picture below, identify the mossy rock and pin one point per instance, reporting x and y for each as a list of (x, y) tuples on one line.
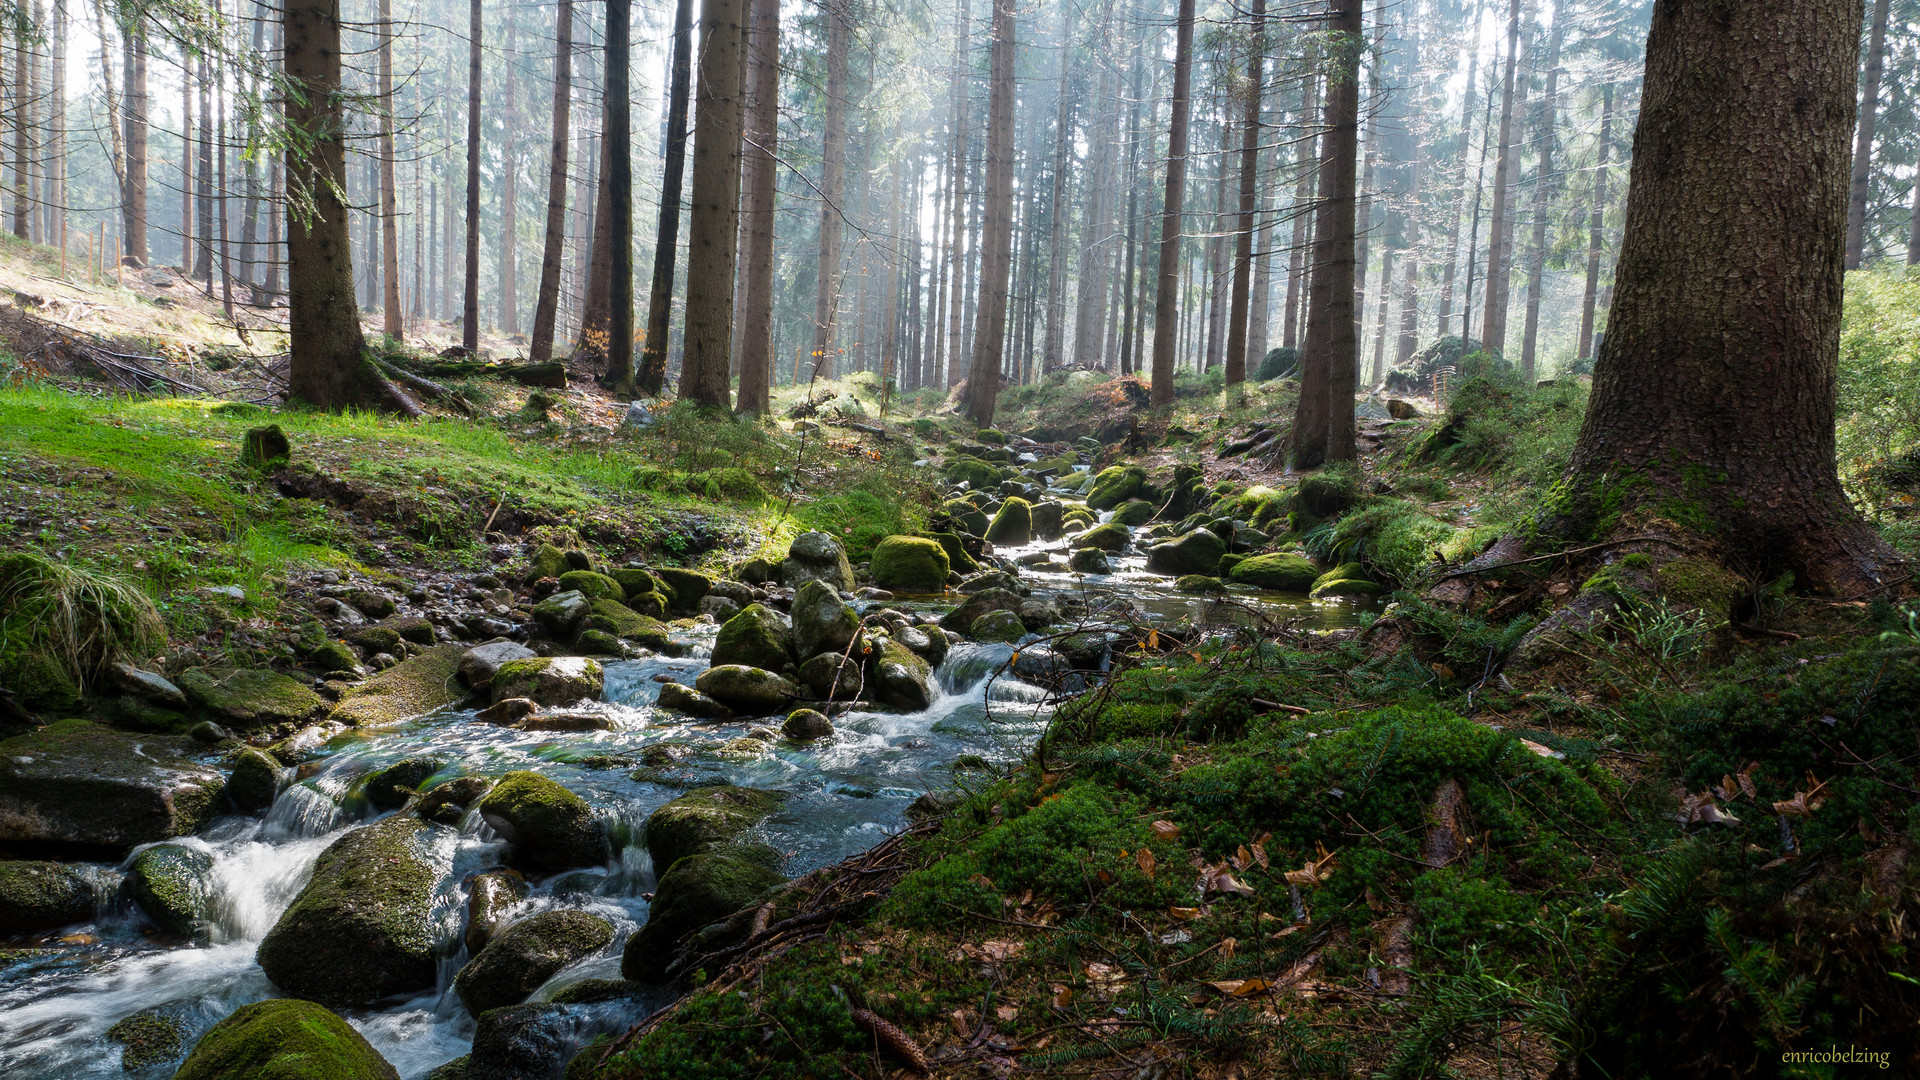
[(624, 622), (1000, 626), (283, 1039), (1328, 493), (1347, 587), (42, 896), (751, 690), (957, 558), (1133, 512), (591, 991), (248, 698), (148, 1038), (1049, 517), (1277, 572), (822, 622), (412, 628), (416, 686), (255, 780), (634, 581), (1228, 562), (961, 619), (169, 882), (817, 556), (76, 783), (758, 637), (1012, 524), (550, 680), (912, 564), (391, 787), (375, 639), (1195, 553), (1352, 571), (362, 927), (562, 612), (43, 684), (265, 447), (1089, 560), (967, 518), (704, 819), (901, 678), (970, 471), (329, 656), (518, 959), (684, 588), (548, 825), (693, 892), (1109, 537), (546, 561), (592, 585), (1116, 485), (1199, 583)]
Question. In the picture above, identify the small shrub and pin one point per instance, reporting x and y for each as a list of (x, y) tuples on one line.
[(81, 620)]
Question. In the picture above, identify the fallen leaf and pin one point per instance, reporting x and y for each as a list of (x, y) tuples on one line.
[(1313, 872), (962, 1020), (1242, 987), (1105, 976), (1146, 861), (1184, 914), (1702, 809), (1260, 854), (1007, 1013), (1540, 750), (1228, 946), (1166, 831), (1062, 995)]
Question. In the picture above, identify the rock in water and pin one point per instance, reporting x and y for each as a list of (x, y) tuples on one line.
[(748, 689), (478, 664), (550, 680), (389, 788), (806, 724), (1110, 537), (1280, 572), (911, 564), (831, 676), (705, 818), (284, 1040), (685, 699), (548, 825), (1116, 485), (1198, 552), (1012, 523), (900, 678), (562, 612), (42, 896), (255, 781), (822, 622), (246, 698), (526, 954), (1089, 560), (695, 891), (489, 898), (413, 687), (1000, 626), (757, 637), (817, 556), (77, 783), (169, 882), (360, 930)]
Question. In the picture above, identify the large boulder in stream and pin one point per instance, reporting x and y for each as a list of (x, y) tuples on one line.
[(706, 818), (750, 690), (478, 664), (562, 613), (1279, 572), (693, 892), (550, 680), (1012, 524), (361, 929), (1197, 552), (684, 588), (247, 698), (42, 896), (627, 624), (675, 697), (1048, 519), (170, 883), (1001, 626), (900, 678), (548, 825), (911, 564), (1116, 485), (758, 637), (414, 687), (832, 677), (817, 556), (822, 622), (962, 618), (526, 954), (255, 780), (282, 1039), (1111, 537), (76, 784)]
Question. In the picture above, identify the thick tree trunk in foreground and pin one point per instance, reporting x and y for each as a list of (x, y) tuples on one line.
[(1323, 423), (713, 235), (1713, 397), (1243, 239), (546, 310), (996, 239), (133, 205), (758, 180), (470, 302), (1863, 138), (1166, 304), (653, 348)]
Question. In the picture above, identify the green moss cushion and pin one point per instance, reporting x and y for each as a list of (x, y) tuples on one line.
[(284, 1040)]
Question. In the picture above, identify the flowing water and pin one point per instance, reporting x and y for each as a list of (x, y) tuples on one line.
[(847, 793)]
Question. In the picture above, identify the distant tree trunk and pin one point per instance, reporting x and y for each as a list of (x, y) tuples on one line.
[(470, 302), (1716, 380), (186, 163), (1596, 236), (1057, 207), (618, 140), (996, 239), (1409, 341), (133, 197), (510, 195), (22, 125), (653, 348), (546, 310), (1129, 339), (329, 367), (826, 296), (713, 238), (1456, 213), (596, 306), (1302, 207), (956, 268), (1546, 184), (1913, 234), (1493, 324), (759, 179), (586, 196), (226, 250), (1363, 232), (276, 187), (1166, 306), (203, 258), (1096, 228), (1323, 423), (250, 213), (57, 129), (1378, 371), (391, 314), (1863, 140), (1249, 180)]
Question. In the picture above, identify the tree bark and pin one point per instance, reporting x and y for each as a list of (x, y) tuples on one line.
[(133, 199), (617, 138), (546, 310), (22, 125), (826, 296), (1493, 323), (1058, 207), (1301, 208), (1097, 227), (392, 316), (1166, 305), (510, 194), (1596, 236), (996, 240), (1546, 185), (1713, 397), (203, 258), (1323, 423), (1451, 266), (470, 302), (759, 180), (596, 306), (1129, 338), (653, 348), (1863, 139), (1249, 179), (713, 233)]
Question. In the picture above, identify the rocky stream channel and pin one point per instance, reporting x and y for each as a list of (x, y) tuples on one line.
[(508, 850)]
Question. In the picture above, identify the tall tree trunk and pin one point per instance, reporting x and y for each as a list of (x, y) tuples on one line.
[(1219, 280), (186, 163), (1546, 185), (1456, 213), (1129, 338), (250, 214), (1596, 235), (653, 349), (510, 193), (713, 238), (617, 138), (1166, 305), (1722, 351), (1323, 424), (759, 179), (546, 310), (1378, 371), (956, 269), (203, 258), (391, 314), (1493, 323), (133, 196), (1301, 209), (826, 296), (996, 240), (1863, 139), (596, 306), (276, 186), (1057, 207), (226, 251), (470, 301), (1249, 190), (57, 129), (22, 125)]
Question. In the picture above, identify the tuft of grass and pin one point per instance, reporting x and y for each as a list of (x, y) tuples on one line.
[(82, 620)]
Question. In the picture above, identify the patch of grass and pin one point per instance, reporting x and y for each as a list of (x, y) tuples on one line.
[(76, 619)]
